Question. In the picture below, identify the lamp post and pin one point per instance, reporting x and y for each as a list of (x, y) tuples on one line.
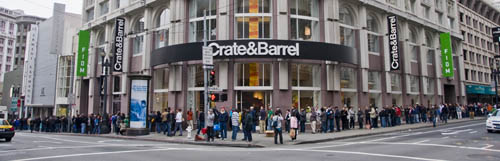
[(495, 71), (106, 66)]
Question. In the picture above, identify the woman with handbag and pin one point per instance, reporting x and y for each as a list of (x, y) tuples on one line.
[(210, 126)]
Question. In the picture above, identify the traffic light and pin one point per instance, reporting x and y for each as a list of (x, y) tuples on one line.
[(19, 103), (214, 97), (212, 78)]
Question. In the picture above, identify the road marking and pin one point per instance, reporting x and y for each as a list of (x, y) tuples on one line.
[(369, 154), (437, 145), (418, 142), (456, 132), (106, 141), (426, 132), (446, 137), (487, 146), (472, 132), (54, 142), (97, 153), (5, 145), (78, 147)]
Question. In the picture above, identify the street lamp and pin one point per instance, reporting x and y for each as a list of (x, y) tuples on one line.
[(106, 66), (495, 72)]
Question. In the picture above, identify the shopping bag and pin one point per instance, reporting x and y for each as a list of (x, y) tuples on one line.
[(216, 127)]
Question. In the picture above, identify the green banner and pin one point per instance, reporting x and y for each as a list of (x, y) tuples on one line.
[(446, 56), (83, 53)]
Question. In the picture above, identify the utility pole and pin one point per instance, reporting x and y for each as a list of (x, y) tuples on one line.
[(207, 64)]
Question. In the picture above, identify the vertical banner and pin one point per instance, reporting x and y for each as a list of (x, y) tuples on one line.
[(138, 103), (83, 53), (446, 57), (253, 24), (392, 23), (119, 38)]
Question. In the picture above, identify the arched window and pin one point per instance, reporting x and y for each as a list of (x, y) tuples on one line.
[(253, 19), (196, 8), (429, 42), (162, 29), (346, 19), (304, 19), (101, 44), (413, 35), (372, 31), (138, 41)]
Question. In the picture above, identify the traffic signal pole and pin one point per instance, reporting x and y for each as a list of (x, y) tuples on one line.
[(205, 68)]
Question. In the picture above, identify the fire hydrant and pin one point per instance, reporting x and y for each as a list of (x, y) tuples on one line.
[(189, 129)]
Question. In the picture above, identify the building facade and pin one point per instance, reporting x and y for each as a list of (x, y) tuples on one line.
[(163, 39), (51, 44), (478, 49), (8, 29)]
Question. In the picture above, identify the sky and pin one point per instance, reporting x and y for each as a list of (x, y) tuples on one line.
[(42, 8)]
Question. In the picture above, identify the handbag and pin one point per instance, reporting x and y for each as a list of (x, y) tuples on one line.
[(217, 127), (292, 133)]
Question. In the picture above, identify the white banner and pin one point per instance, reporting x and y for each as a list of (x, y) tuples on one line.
[(138, 103)]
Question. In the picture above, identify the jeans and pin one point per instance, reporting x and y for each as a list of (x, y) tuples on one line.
[(223, 129), (201, 124), (235, 132), (248, 135), (178, 125), (398, 120), (332, 126), (302, 126), (424, 118), (97, 129), (166, 127), (158, 127), (83, 128), (324, 126), (360, 122), (383, 121), (210, 133), (277, 131), (269, 122)]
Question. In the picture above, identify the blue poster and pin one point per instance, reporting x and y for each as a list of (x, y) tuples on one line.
[(138, 103)]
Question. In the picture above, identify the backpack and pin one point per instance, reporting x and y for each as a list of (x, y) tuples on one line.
[(275, 123)]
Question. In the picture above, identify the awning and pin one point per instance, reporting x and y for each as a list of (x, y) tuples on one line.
[(479, 89)]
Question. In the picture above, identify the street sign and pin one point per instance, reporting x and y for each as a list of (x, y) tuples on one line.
[(208, 57), (214, 89), (496, 34)]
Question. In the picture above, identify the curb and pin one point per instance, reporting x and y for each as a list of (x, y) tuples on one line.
[(237, 145), (375, 133)]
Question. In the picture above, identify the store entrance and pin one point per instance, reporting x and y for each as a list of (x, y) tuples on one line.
[(245, 99)]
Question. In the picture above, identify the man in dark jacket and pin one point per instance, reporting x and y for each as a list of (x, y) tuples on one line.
[(302, 120), (336, 114), (360, 118), (343, 116), (170, 121), (248, 126), (223, 119), (323, 116)]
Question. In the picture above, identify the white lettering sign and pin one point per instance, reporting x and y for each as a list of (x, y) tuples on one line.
[(254, 48)]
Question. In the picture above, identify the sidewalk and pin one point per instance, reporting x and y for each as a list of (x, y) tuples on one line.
[(260, 141)]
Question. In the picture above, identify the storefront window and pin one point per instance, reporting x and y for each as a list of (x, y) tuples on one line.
[(395, 82), (346, 20), (196, 8), (414, 84), (160, 101), (195, 76), (303, 98), (374, 80), (257, 99), (162, 29), (253, 19), (160, 78), (138, 40), (253, 74), (306, 75), (348, 78), (304, 19)]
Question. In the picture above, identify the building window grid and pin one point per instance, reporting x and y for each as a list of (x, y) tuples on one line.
[(196, 30), (244, 16), (304, 21)]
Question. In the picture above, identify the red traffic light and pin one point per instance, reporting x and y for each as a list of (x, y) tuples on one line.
[(212, 97), (212, 72), (18, 103)]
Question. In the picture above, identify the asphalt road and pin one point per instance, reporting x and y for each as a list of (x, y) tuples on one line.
[(463, 141)]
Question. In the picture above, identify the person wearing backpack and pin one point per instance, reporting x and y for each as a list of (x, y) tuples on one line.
[(276, 124)]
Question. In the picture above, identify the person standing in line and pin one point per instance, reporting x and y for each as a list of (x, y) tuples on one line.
[(343, 116), (178, 122), (270, 114), (336, 115), (367, 116), (190, 118), (330, 118), (351, 115), (262, 120), (459, 111), (313, 119), (293, 126), (235, 117), (360, 118), (276, 124), (324, 119), (201, 121), (373, 117), (158, 122), (223, 118), (248, 126), (171, 121), (287, 118), (164, 122), (210, 126), (83, 124)]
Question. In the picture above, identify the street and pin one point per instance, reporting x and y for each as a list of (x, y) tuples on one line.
[(461, 141)]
